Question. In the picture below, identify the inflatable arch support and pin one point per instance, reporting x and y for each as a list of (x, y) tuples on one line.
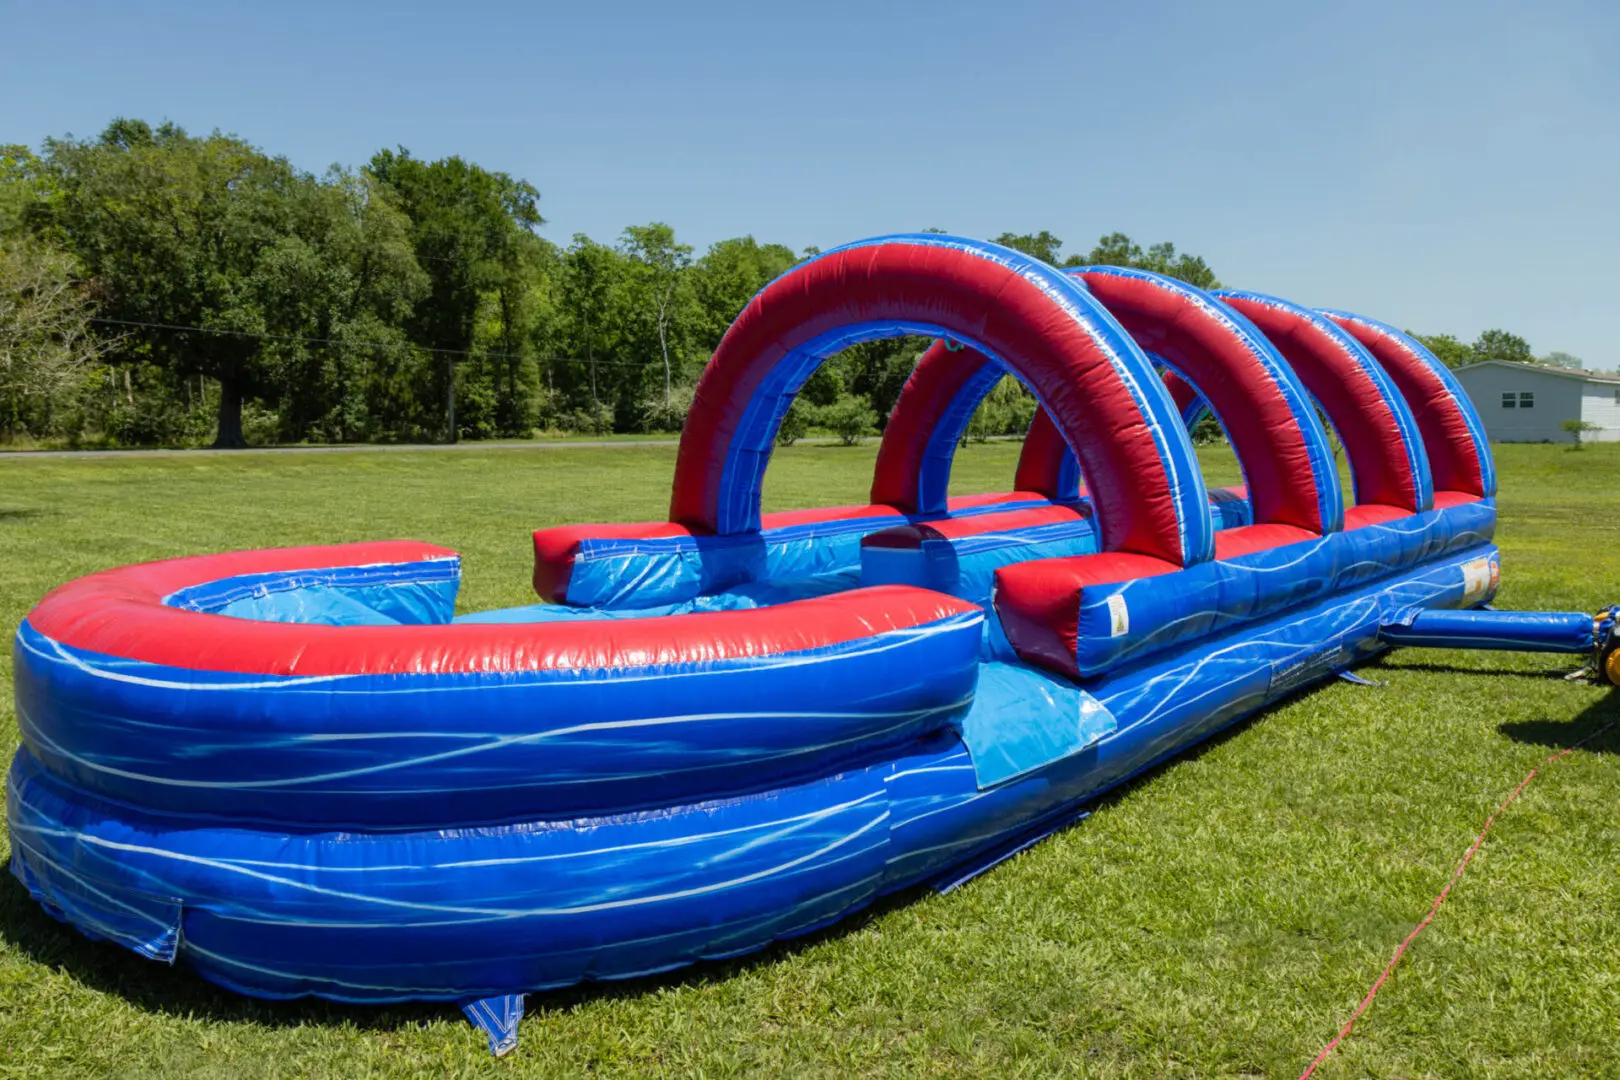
[(300, 772), (1282, 447), (1073, 355)]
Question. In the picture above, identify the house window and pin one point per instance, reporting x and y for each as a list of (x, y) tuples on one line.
[(1527, 400), (1510, 400)]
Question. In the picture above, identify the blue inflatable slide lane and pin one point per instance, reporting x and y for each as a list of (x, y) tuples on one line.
[(300, 772)]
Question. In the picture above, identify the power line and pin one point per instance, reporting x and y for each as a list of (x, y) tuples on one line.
[(384, 345)]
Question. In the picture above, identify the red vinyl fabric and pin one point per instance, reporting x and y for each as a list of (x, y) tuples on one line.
[(940, 375), (1453, 458), (1363, 514), (1269, 441), (1039, 602), (960, 292), (1364, 419), (912, 536), (121, 613), (1041, 460), (1040, 463), (1443, 499), (1247, 539)]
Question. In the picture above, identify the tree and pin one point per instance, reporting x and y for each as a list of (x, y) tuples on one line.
[(1006, 410), (727, 277), (25, 189), (47, 348), (662, 264), (1447, 349), (1561, 360), (178, 232), (465, 225), (1117, 249), (1501, 345), (851, 418), (337, 291), (1042, 245), (591, 276)]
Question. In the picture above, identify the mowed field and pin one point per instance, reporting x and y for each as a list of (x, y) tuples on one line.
[(1220, 916)]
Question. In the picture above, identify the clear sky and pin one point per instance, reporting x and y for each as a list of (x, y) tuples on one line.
[(1447, 166)]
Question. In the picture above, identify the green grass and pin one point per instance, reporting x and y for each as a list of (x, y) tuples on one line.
[(1220, 916)]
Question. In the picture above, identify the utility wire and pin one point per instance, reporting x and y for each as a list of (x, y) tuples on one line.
[(385, 345)]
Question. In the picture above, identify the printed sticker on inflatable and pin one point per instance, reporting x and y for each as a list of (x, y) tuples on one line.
[(1480, 577), (1119, 616)]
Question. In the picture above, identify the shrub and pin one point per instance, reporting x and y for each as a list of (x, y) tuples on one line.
[(655, 415), (795, 423), (851, 418), (1577, 428)]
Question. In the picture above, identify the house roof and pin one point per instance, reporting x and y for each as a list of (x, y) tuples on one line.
[(1544, 369)]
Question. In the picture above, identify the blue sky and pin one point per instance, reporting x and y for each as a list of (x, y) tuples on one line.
[(1446, 166)]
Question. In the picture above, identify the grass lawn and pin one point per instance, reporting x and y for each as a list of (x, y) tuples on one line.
[(1219, 917)]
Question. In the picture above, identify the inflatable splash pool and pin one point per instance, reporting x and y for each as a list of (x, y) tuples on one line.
[(299, 772)]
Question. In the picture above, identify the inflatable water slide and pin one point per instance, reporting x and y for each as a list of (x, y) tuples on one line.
[(300, 772)]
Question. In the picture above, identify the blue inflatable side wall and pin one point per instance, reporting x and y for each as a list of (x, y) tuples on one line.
[(457, 914)]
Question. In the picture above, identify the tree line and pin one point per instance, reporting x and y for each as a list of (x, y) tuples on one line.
[(162, 288)]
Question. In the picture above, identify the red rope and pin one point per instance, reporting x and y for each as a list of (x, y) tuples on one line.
[(1438, 900)]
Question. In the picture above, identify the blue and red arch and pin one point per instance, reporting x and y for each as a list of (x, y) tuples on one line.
[(1281, 445), (1084, 369), (1388, 465), (1459, 454), (1285, 455)]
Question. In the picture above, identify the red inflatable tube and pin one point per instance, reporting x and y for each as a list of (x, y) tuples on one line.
[(1453, 459), (1364, 420), (960, 291), (1039, 601), (1273, 449), (121, 613)]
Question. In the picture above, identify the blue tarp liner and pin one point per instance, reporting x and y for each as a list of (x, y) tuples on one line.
[(1023, 719)]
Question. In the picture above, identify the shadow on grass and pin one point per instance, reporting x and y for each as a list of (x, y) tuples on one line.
[(1594, 731), (13, 513), (1554, 674)]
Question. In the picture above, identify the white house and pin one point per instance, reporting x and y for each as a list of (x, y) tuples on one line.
[(1530, 402)]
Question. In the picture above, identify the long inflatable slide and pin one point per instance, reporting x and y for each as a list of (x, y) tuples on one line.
[(300, 772)]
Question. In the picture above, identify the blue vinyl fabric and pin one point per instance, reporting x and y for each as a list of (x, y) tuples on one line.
[(471, 748), (620, 572), (420, 593), (1518, 631), (1173, 609), (966, 566), (750, 447), (472, 913)]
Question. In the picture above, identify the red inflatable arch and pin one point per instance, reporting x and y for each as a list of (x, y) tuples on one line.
[(1379, 434), (1280, 443), (1100, 389), (1459, 458)]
